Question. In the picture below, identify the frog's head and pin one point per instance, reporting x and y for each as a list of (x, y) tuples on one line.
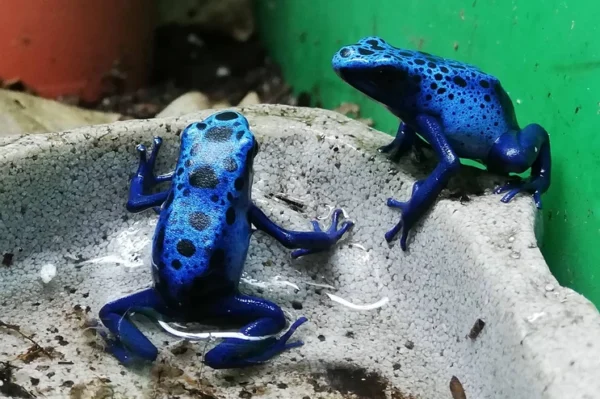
[(376, 68), (224, 138)]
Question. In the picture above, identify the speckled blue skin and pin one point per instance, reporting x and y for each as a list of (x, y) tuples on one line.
[(460, 111), (200, 246)]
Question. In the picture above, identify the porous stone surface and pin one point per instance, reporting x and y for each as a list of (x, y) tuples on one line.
[(472, 257)]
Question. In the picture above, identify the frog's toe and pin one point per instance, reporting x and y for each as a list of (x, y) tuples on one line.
[(157, 142), (142, 152), (537, 198), (392, 203), (338, 231), (386, 148), (509, 195)]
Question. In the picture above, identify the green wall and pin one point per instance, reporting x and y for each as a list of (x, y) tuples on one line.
[(545, 52)]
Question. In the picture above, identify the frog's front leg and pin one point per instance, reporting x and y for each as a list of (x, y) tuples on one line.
[(425, 192), (309, 241), (128, 342), (406, 138), (402, 143), (515, 152), (260, 318), (144, 181)]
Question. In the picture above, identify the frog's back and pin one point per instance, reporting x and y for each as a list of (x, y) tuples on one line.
[(202, 235), (472, 105)]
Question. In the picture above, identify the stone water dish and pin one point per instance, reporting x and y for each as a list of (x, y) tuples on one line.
[(70, 246)]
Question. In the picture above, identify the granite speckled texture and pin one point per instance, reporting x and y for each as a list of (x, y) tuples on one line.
[(472, 257)]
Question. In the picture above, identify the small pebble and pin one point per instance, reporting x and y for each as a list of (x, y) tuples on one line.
[(549, 287), (48, 272)]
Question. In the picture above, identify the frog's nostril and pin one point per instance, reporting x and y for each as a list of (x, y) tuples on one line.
[(345, 52)]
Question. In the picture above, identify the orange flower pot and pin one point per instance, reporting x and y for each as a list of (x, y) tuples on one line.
[(74, 47)]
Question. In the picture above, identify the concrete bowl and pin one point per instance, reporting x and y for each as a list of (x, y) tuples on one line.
[(70, 246)]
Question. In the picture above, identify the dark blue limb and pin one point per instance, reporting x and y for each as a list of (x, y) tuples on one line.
[(402, 143), (144, 181), (405, 140), (308, 241), (516, 152), (128, 342), (425, 191), (263, 318)]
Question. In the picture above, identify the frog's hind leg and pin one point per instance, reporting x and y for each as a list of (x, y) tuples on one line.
[(144, 181), (261, 318), (128, 342), (515, 152)]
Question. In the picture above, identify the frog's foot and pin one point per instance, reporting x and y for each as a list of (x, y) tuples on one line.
[(402, 143), (128, 343), (401, 225), (269, 320), (147, 165), (515, 152), (536, 186), (333, 234), (144, 181)]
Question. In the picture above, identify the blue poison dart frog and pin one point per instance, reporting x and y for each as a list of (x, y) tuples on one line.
[(452, 107), (200, 245)]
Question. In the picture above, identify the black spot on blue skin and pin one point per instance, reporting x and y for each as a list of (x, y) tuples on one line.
[(176, 264), (230, 165), (428, 97), (217, 259), (345, 52), (180, 186), (484, 83), (188, 163), (444, 69), (239, 134), (204, 177), (441, 90), (459, 81), (230, 215), (186, 192), (201, 126), (419, 61), (219, 134), (433, 86), (438, 76), (405, 54), (214, 198), (159, 244), (179, 171), (431, 65), (199, 220), (226, 116), (364, 51), (239, 183), (186, 248), (230, 197), (374, 45), (487, 98)]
